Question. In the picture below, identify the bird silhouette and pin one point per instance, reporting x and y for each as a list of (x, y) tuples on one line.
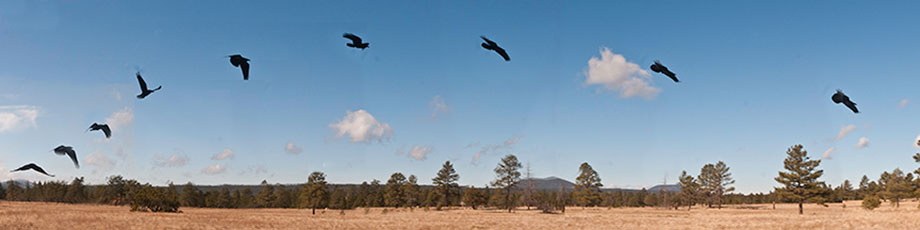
[(32, 166), (239, 61), (68, 150), (839, 97), (355, 41), (490, 45), (144, 90), (659, 68), (104, 127)]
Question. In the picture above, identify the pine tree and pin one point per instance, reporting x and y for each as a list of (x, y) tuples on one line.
[(266, 197), (445, 184), (394, 195), (314, 194), (507, 175), (587, 186), (410, 190), (474, 197), (801, 179), (896, 186), (715, 181), (689, 189), (190, 196)]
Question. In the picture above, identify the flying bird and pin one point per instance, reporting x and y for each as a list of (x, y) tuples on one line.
[(144, 90), (839, 97), (32, 166), (355, 41), (104, 127), (239, 61), (68, 150), (659, 68), (490, 45)]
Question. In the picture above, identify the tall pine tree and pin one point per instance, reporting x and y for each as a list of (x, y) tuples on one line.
[(800, 181)]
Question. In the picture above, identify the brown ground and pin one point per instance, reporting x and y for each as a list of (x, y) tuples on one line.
[(32, 215)]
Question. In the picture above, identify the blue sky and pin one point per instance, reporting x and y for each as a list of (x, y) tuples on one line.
[(756, 78)]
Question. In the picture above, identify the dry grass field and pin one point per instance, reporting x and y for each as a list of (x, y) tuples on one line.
[(32, 215)]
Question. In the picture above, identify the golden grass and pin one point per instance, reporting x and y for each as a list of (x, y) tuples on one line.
[(33, 215)]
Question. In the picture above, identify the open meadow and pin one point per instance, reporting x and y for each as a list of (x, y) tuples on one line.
[(35, 215)]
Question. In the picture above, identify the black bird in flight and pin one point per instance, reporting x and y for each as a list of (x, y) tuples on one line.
[(355, 41), (659, 68), (68, 150), (144, 90), (239, 61), (104, 127), (490, 45), (839, 97), (32, 166)]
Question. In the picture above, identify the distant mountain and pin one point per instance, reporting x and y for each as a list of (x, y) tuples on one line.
[(666, 187), (549, 184)]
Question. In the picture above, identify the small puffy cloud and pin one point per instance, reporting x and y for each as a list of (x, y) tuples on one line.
[(506, 145), (99, 160), (420, 152), (614, 73), (863, 142), (227, 153), (903, 103), (214, 169), (827, 153), (291, 148), (17, 117), (844, 131), (438, 106), (361, 126), (175, 160), (121, 118)]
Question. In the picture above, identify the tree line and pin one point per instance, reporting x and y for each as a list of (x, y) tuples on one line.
[(711, 188)]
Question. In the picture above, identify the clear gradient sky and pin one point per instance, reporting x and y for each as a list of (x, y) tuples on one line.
[(756, 78)]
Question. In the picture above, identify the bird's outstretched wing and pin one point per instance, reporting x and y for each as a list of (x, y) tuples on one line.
[(105, 129), (354, 38), (491, 43), (851, 105), (141, 81), (245, 67), (502, 52)]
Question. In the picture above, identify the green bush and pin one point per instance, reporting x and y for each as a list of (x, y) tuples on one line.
[(154, 199), (871, 202)]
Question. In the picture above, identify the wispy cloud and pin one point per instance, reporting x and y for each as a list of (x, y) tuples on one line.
[(438, 106), (903, 103), (120, 119), (827, 153), (506, 145), (17, 117), (417, 152), (214, 169), (175, 160), (291, 148), (863, 143), (615, 73), (99, 160), (844, 131), (361, 126), (227, 153)]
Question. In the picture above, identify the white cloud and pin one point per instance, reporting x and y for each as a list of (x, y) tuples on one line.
[(506, 145), (863, 142), (827, 153), (844, 131), (214, 169), (361, 126), (227, 153), (903, 103), (420, 152), (17, 117), (120, 119), (175, 160), (438, 106), (291, 148), (99, 160), (616, 74)]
